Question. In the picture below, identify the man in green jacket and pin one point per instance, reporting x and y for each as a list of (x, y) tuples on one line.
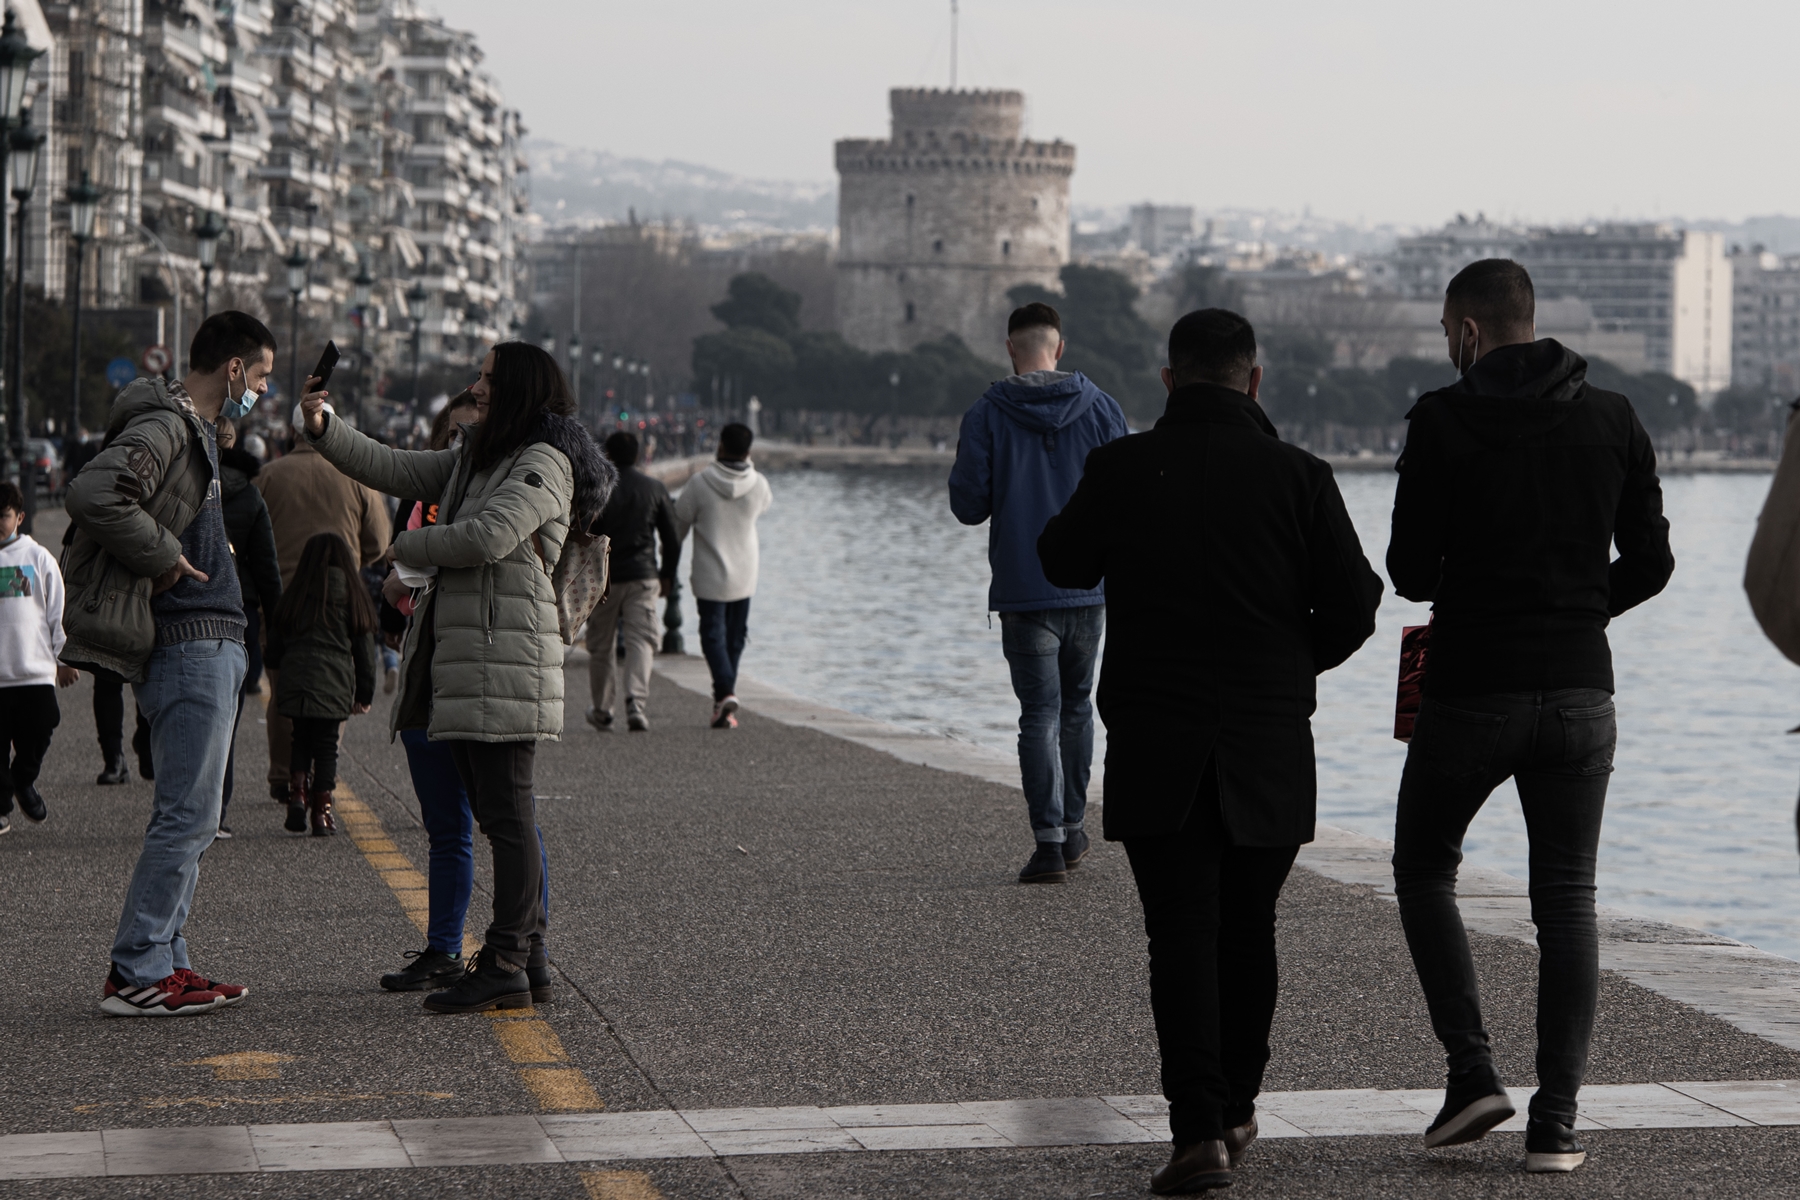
[(153, 595)]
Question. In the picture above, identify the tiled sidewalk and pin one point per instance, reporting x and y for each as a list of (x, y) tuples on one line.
[(729, 1132)]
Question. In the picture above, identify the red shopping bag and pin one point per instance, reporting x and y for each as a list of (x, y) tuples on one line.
[(1414, 641)]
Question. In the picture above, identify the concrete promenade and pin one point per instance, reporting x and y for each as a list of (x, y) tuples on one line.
[(793, 964)]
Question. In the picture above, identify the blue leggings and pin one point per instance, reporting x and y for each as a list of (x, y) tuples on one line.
[(450, 829)]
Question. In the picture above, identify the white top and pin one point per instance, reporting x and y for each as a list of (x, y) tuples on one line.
[(31, 609), (721, 505)]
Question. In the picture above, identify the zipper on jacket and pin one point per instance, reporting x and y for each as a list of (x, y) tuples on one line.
[(487, 602)]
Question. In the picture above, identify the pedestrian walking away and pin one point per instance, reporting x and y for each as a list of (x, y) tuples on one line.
[(639, 512), (1515, 484), (322, 647), (306, 495), (258, 570), (1019, 456), (154, 599), (1233, 578), (31, 635), (482, 667), (721, 505)]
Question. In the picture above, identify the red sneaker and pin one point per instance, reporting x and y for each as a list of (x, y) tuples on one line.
[(229, 993), (175, 996)]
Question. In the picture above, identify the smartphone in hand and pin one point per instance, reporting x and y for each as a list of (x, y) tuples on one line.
[(321, 374)]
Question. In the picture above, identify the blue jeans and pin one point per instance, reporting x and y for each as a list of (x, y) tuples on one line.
[(1558, 748), (1051, 653), (450, 831), (724, 628), (190, 698)]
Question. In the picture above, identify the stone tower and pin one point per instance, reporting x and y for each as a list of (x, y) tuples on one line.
[(939, 220)]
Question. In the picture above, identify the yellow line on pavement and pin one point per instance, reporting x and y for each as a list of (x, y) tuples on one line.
[(620, 1185), (522, 1034)]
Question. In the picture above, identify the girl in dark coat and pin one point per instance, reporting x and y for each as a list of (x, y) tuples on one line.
[(322, 646)]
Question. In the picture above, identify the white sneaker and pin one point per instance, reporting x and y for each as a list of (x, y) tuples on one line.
[(725, 713)]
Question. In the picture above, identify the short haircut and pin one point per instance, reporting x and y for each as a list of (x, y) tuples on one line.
[(734, 442), (622, 448), (1212, 345), (1034, 316), (225, 336), (1495, 291), (11, 497)]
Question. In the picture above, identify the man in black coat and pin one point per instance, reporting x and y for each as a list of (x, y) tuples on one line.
[(1516, 483), (638, 513), (1233, 577)]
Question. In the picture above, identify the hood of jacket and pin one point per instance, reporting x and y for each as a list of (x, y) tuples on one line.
[(1518, 391), (595, 476), (237, 467), (729, 479), (1044, 407), (137, 398)]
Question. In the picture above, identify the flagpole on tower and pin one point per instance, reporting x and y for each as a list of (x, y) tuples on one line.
[(953, 45)]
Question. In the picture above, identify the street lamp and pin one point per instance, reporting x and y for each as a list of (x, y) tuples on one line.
[(416, 295), (297, 269), (16, 56), (206, 244), (24, 147), (363, 292), (84, 205), (575, 368)]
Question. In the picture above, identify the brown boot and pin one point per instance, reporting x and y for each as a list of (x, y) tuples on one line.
[(318, 803), (1194, 1168), (296, 801)]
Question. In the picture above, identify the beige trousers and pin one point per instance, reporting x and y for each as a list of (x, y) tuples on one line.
[(629, 606)]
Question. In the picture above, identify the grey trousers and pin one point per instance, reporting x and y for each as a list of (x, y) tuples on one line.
[(630, 606)]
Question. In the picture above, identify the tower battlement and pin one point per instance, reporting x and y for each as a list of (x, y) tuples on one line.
[(940, 218)]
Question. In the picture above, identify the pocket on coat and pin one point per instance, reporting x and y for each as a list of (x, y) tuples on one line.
[(1590, 736), (1455, 743)]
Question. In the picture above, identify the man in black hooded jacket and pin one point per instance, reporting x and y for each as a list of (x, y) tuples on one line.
[(1515, 484)]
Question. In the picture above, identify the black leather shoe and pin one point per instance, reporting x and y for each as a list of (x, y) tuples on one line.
[(31, 803), (1473, 1104), (489, 983), (1075, 848), (428, 969), (296, 818), (116, 770), (1238, 1139), (1046, 865), (539, 978), (1194, 1168), (1551, 1146)]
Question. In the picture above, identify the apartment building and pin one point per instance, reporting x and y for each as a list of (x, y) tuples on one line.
[(1765, 338)]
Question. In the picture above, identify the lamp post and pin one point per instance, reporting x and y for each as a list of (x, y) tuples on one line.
[(416, 295), (24, 146), (206, 245), (575, 368), (84, 206), (364, 285), (297, 267), (16, 56)]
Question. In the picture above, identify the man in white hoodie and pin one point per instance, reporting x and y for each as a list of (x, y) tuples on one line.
[(721, 505), (31, 635)]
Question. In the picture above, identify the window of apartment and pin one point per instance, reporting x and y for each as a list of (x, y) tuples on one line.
[(1005, 248), (937, 247), (77, 74), (909, 312)]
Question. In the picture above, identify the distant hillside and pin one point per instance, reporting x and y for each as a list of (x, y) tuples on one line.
[(571, 184)]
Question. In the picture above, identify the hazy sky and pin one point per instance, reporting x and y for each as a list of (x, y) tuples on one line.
[(1385, 110)]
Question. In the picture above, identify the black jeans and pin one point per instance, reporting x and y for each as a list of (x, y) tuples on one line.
[(1209, 908), (497, 778), (109, 714), (28, 716), (724, 628), (1558, 746), (314, 747)]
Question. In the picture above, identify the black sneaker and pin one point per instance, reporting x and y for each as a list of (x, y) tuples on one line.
[(278, 792), (116, 771), (540, 984), (1473, 1104), (428, 969), (1046, 865), (489, 983), (1551, 1146), (1075, 847), (637, 722), (31, 803)]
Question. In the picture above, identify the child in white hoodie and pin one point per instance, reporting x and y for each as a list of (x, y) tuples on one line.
[(721, 505), (31, 636)]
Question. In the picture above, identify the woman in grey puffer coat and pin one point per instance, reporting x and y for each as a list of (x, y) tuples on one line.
[(482, 664)]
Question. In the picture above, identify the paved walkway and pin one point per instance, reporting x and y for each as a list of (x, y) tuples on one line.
[(780, 923)]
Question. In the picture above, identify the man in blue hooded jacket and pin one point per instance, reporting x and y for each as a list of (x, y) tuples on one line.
[(1018, 459)]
